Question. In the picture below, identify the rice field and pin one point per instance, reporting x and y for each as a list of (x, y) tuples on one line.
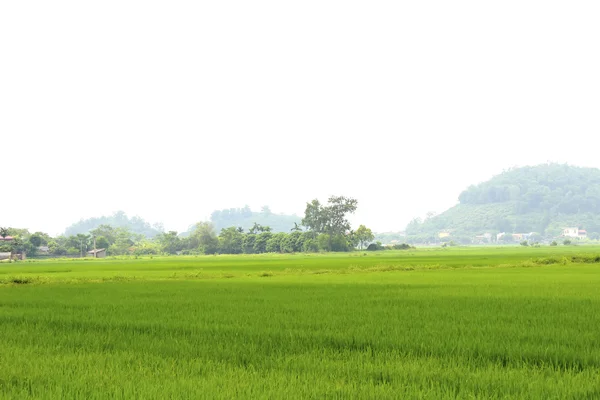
[(453, 323)]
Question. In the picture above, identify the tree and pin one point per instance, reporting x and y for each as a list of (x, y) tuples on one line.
[(35, 240), (230, 241), (169, 242), (4, 232), (260, 243), (17, 246), (364, 236), (83, 241), (248, 243), (296, 228), (102, 242), (124, 240), (329, 219), (266, 210), (274, 243), (205, 237), (314, 216), (255, 228)]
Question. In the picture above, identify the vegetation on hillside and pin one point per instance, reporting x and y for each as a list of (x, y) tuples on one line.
[(119, 219), (543, 199), (245, 218)]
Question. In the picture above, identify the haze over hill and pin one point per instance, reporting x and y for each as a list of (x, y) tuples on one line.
[(118, 219), (544, 199), (244, 218)]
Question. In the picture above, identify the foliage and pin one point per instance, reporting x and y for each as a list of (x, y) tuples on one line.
[(375, 247), (544, 199), (246, 219), (364, 235), (203, 238), (118, 220), (331, 218)]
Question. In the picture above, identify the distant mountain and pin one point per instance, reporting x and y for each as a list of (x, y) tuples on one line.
[(544, 199), (118, 220), (246, 218)]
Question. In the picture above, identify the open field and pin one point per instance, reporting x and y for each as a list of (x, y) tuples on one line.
[(451, 323)]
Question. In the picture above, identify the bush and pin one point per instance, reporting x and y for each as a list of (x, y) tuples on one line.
[(375, 247), (402, 246), (524, 243), (567, 242), (554, 243)]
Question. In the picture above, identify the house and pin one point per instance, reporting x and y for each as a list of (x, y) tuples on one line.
[(15, 256), (485, 238), (97, 253), (43, 250), (500, 236), (571, 232), (518, 237), (443, 234), (575, 233)]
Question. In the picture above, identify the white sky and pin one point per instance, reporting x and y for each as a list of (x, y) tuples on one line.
[(171, 109)]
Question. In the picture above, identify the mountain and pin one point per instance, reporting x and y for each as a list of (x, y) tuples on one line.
[(245, 218), (543, 198), (118, 220)]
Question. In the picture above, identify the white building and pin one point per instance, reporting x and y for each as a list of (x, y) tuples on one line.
[(574, 233)]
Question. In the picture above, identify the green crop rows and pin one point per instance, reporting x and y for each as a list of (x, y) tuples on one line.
[(456, 323)]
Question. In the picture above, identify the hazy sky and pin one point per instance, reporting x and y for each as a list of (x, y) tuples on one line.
[(171, 109)]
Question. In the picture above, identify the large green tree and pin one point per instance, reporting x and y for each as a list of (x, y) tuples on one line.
[(363, 235), (330, 219), (204, 238), (230, 241)]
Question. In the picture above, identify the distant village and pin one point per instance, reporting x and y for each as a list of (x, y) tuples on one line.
[(43, 250), (568, 233), (449, 235)]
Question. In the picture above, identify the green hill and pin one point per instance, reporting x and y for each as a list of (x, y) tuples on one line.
[(118, 220), (246, 218), (544, 199)]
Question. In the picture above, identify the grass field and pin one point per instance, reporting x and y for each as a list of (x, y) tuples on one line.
[(451, 323)]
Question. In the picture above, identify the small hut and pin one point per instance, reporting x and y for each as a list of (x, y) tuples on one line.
[(97, 253)]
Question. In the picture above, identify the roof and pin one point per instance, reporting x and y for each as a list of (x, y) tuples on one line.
[(96, 251), (6, 238), (582, 231)]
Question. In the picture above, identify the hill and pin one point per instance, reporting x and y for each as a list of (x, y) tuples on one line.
[(118, 220), (246, 218), (544, 199)]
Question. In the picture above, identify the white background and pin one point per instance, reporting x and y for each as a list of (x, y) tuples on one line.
[(169, 110)]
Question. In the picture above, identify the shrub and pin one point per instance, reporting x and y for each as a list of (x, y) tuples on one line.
[(402, 246), (524, 243), (554, 243), (375, 247), (567, 242)]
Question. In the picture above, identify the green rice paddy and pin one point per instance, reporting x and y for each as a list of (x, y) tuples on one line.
[(446, 323)]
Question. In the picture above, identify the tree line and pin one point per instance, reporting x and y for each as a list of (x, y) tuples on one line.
[(325, 227)]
